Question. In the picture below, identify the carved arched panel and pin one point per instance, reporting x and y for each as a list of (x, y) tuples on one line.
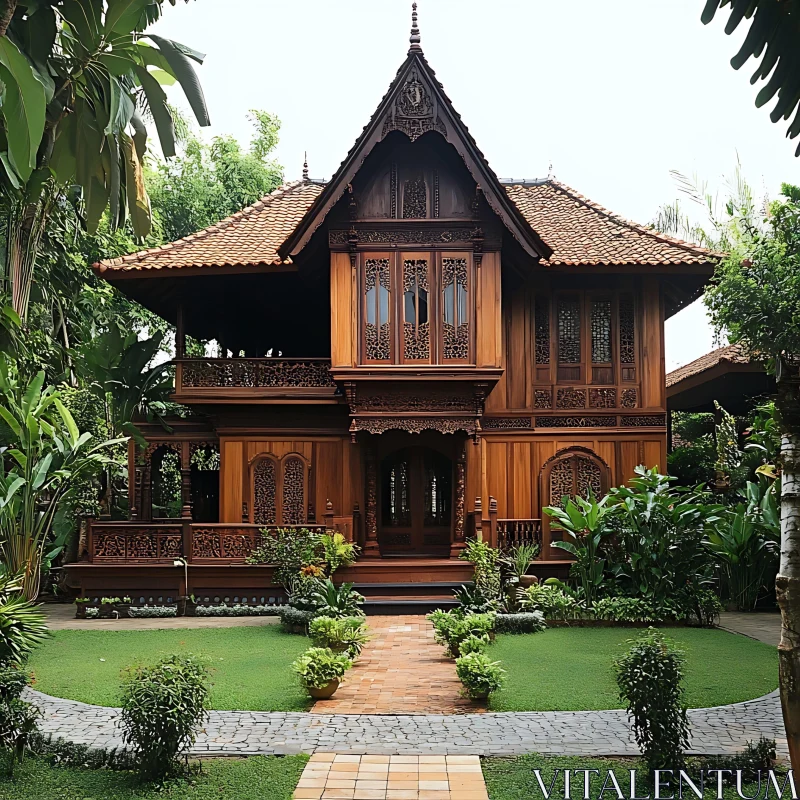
[(265, 491), (293, 490), (575, 471)]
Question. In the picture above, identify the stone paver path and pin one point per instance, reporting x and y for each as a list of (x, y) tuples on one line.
[(329, 776), (762, 625), (401, 671), (721, 730)]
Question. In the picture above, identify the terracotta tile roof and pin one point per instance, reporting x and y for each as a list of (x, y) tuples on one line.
[(249, 237), (582, 232), (579, 231), (732, 353)]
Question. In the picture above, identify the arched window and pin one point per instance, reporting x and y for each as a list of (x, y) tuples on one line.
[(279, 493), (573, 472)]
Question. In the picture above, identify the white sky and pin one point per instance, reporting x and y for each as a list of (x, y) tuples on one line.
[(614, 94)]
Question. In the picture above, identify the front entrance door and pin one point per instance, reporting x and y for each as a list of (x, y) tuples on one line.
[(416, 502)]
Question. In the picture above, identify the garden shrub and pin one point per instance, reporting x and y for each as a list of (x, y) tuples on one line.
[(346, 635), (141, 612), (450, 629), (63, 753), (295, 617), (472, 601), (753, 761), (337, 551), (650, 681), (474, 644), (552, 601), (486, 561), (289, 549), (17, 717), (531, 622), (336, 601), (479, 674), (318, 666), (238, 610), (626, 609), (162, 707)]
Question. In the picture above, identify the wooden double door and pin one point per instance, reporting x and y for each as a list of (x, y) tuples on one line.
[(415, 502)]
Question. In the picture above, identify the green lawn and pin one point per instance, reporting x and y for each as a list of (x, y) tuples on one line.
[(265, 777), (570, 669), (514, 779), (249, 666)]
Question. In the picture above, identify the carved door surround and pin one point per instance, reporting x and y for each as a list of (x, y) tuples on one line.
[(571, 471), (279, 489)]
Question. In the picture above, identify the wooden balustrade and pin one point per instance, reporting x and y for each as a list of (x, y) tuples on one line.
[(253, 373), (512, 532), (162, 543)]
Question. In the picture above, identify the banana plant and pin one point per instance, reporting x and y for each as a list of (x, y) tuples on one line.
[(77, 76), (46, 460), (585, 522)]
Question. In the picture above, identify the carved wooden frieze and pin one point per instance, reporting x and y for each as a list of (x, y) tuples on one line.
[(388, 235), (505, 423), (576, 422), (256, 373), (642, 421), (438, 398), (414, 424)]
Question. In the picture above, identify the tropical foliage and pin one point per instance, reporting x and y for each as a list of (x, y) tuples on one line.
[(319, 666), (22, 624)]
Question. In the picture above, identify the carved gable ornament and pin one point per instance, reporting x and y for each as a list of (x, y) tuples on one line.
[(413, 111)]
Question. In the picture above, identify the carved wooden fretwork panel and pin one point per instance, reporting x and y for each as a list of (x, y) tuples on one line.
[(415, 198), (588, 477), (542, 332), (571, 398), (294, 484), (265, 492), (442, 397), (569, 331), (434, 235), (643, 421), (416, 315), (627, 330), (574, 473), (603, 398), (413, 112), (560, 482), (542, 398), (576, 422), (255, 373), (630, 398), (601, 331), (455, 309), (377, 296), (413, 424), (505, 423), (136, 543)]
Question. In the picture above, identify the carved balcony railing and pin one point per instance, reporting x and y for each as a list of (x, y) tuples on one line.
[(162, 543), (262, 377), (513, 532)]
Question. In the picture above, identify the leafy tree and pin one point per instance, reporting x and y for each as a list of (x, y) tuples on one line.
[(773, 37), (76, 75), (755, 298), (209, 182)]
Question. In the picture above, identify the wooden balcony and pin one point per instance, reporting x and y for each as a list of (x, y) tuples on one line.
[(248, 380)]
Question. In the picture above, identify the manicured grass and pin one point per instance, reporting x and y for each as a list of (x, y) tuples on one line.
[(571, 669), (514, 779), (221, 779), (249, 666)]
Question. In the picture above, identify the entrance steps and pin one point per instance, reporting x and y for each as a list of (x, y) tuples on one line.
[(407, 598)]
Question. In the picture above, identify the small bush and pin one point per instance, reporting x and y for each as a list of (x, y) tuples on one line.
[(487, 562), (626, 609), (60, 752), (94, 613), (650, 680), (318, 666), (705, 608), (292, 618), (531, 622), (149, 611), (474, 644), (336, 601), (238, 610), (753, 761), (347, 635), (450, 629), (162, 707), (479, 674), (17, 718), (553, 601), (337, 551)]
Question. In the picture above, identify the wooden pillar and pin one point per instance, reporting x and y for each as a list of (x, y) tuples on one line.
[(457, 543), (492, 522), (328, 516), (371, 548), (477, 516), (186, 481), (180, 334)]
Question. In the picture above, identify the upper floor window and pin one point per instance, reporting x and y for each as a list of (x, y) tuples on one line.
[(417, 308)]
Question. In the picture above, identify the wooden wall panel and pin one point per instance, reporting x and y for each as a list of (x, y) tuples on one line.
[(343, 312), (497, 476), (489, 338), (630, 458), (654, 454), (231, 474), (326, 467), (653, 363), (520, 489), (474, 485)]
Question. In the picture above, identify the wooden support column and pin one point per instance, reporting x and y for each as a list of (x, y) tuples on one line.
[(457, 543), (492, 522), (371, 548), (180, 334), (186, 481)]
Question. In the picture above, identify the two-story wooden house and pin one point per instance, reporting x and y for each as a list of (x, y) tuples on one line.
[(412, 352)]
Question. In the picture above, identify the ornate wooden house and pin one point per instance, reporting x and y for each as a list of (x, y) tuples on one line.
[(413, 352)]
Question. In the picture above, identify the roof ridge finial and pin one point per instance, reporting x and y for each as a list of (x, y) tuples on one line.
[(414, 39), (305, 167)]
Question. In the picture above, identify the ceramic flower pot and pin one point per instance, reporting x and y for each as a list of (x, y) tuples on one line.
[(324, 692), (528, 580), (80, 610), (479, 695)]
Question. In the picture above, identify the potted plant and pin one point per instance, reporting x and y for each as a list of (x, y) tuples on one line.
[(122, 606), (518, 559), (108, 606), (479, 674), (321, 670), (347, 635), (81, 603)]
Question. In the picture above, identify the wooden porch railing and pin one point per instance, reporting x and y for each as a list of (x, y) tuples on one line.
[(162, 543), (199, 375), (513, 532)]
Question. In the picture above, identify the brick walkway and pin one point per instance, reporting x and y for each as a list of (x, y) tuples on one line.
[(354, 777), (401, 671)]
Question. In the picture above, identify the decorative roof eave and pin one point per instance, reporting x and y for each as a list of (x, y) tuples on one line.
[(456, 134)]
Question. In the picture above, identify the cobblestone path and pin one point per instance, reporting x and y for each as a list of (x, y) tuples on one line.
[(401, 671), (721, 730)]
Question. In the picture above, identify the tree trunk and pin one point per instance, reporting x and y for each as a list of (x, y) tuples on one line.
[(25, 227), (7, 9), (787, 584)]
